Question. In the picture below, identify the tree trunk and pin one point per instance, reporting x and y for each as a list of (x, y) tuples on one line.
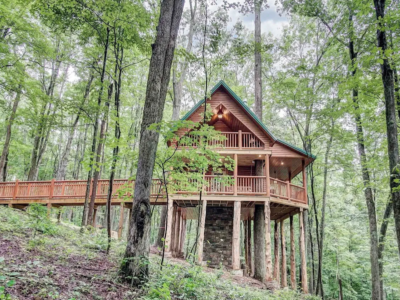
[(369, 198), (86, 209), (391, 122), (257, 60), (135, 266), (63, 163), (6, 147)]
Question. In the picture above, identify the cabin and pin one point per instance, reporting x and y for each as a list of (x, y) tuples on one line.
[(264, 168), (262, 195)]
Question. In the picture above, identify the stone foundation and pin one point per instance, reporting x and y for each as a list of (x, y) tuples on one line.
[(218, 237)]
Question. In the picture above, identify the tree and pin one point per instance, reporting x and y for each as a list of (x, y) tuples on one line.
[(135, 266)]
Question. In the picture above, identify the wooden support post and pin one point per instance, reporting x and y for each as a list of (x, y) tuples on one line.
[(268, 258), (175, 250), (171, 249), (249, 240), (48, 209), (303, 263), (283, 254), (183, 236), (259, 242), (236, 236), (200, 241), (276, 252), (121, 220), (240, 139), (246, 245), (268, 182), (169, 220), (235, 175), (292, 256), (15, 189)]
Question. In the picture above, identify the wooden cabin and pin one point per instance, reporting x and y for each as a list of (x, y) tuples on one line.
[(264, 169)]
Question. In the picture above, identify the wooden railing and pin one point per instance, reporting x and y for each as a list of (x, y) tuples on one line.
[(214, 184), (67, 189), (233, 140)]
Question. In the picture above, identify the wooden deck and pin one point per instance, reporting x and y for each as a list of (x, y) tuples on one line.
[(250, 189)]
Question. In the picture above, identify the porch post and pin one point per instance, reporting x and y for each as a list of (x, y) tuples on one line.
[(94, 216), (283, 254), (267, 175), (200, 241), (48, 209), (121, 220), (183, 236), (246, 248), (276, 252), (304, 180), (168, 234), (292, 256), (236, 236), (268, 259), (249, 253), (303, 263), (235, 175)]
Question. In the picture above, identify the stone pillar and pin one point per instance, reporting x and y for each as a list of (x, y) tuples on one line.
[(292, 256), (303, 263), (268, 258), (259, 242), (283, 254), (276, 252), (200, 240), (236, 238)]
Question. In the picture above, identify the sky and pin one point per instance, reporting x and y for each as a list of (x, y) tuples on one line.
[(271, 21)]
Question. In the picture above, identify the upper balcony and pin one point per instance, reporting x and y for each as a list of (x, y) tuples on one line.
[(233, 140)]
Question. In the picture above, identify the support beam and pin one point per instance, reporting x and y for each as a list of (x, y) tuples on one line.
[(200, 241), (305, 181), (169, 220), (10, 205), (283, 254), (183, 236), (250, 253), (236, 236), (268, 258), (259, 242), (268, 181), (172, 245), (59, 216), (292, 256), (276, 252), (303, 263), (121, 220), (175, 250), (246, 246)]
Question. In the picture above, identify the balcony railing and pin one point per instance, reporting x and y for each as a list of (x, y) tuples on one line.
[(233, 140), (214, 185)]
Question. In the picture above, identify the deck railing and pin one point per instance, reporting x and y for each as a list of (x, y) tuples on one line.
[(233, 140), (214, 184)]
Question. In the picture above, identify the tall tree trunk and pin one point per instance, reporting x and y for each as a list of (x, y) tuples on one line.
[(135, 266), (177, 85), (391, 122), (99, 154), (257, 60), (6, 147), (63, 162), (368, 193), (95, 130)]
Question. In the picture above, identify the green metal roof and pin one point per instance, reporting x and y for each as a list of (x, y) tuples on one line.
[(248, 110)]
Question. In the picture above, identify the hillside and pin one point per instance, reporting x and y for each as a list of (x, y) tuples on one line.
[(40, 259)]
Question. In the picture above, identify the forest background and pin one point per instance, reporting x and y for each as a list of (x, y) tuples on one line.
[(70, 71)]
